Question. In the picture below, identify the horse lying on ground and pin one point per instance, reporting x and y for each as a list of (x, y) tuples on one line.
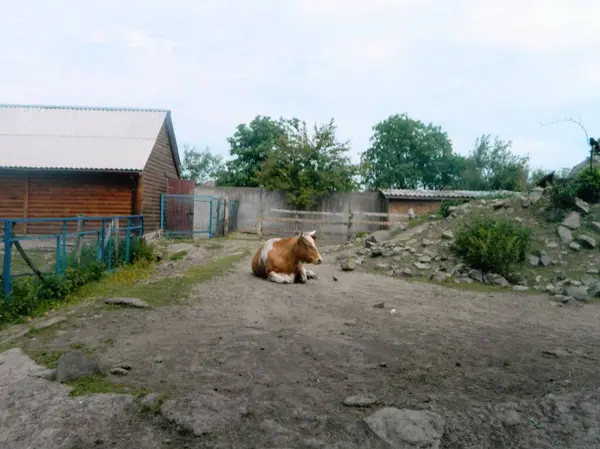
[(282, 260)]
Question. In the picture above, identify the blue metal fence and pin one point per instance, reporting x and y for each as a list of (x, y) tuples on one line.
[(100, 237), (187, 215)]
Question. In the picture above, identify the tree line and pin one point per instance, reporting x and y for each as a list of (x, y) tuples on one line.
[(308, 162)]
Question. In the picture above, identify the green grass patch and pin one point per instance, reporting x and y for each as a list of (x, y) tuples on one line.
[(169, 290), (99, 384), (44, 357), (178, 255)]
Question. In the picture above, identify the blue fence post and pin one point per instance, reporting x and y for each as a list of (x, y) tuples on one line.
[(58, 262), (127, 240), (218, 217), (210, 218), (142, 225), (102, 237), (7, 257), (64, 248)]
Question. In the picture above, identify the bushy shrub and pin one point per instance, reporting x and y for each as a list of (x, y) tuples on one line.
[(446, 204), (588, 185), (30, 294), (493, 245), (138, 250)]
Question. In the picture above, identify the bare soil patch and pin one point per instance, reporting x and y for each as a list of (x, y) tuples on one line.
[(283, 358)]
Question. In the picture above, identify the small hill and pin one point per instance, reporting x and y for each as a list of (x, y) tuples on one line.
[(563, 259)]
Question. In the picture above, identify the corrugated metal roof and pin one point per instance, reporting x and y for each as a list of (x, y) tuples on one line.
[(440, 194), (84, 138)]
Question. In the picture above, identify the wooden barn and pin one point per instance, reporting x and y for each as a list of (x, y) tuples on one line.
[(64, 161), (426, 202)]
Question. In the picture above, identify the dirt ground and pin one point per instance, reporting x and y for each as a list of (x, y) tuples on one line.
[(291, 354)]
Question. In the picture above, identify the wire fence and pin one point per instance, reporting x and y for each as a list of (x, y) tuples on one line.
[(44, 246)]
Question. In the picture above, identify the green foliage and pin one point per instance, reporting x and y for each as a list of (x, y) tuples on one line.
[(28, 295), (588, 185), (178, 255), (493, 245), (445, 204), (250, 146), (138, 250), (308, 167), (200, 166), (408, 154), (492, 166)]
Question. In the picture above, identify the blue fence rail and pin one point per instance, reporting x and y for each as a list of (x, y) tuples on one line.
[(44, 241), (187, 215)]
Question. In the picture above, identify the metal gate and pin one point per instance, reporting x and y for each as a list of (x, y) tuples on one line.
[(183, 215)]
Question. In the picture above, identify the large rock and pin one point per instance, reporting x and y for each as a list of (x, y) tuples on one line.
[(495, 279), (348, 264), (587, 241), (378, 236), (579, 293), (407, 429), (572, 221), (582, 205), (73, 365), (565, 234), (536, 194)]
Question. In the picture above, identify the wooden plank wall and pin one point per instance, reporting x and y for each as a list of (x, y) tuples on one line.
[(159, 168), (55, 194)]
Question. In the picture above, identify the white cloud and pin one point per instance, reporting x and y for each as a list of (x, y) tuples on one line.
[(473, 67)]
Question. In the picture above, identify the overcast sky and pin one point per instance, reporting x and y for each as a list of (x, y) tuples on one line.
[(471, 66)]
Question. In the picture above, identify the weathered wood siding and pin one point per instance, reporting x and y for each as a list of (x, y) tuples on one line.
[(421, 207), (56, 194), (160, 167)]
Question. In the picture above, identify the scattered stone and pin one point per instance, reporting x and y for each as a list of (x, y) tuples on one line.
[(150, 400), (118, 371), (562, 298), (587, 241), (439, 276), (405, 429), (398, 229), (427, 242), (552, 245), (575, 246), (476, 275), (348, 265), (389, 253), (572, 221), (536, 194), (533, 260), (550, 288), (448, 235), (406, 272), (588, 279), (579, 293), (379, 305), (128, 302), (456, 269), (425, 259), (351, 322), (73, 365), (360, 400), (422, 266), (582, 205), (376, 252), (382, 266), (596, 225), (498, 204), (593, 271), (565, 234), (464, 280), (495, 279), (545, 260), (520, 288), (379, 236), (335, 278)]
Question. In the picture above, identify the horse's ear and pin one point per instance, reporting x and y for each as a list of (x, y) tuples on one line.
[(313, 234)]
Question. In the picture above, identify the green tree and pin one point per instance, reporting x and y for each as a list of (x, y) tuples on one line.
[(308, 166), (492, 166), (200, 166), (250, 146), (408, 154)]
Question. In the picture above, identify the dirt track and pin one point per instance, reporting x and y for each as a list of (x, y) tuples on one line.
[(294, 352)]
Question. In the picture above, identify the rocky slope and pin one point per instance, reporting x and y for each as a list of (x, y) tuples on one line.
[(564, 261)]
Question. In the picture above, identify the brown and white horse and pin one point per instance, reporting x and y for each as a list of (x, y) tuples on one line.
[(282, 260)]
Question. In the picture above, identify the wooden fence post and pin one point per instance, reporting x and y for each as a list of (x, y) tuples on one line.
[(259, 226), (350, 218)]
